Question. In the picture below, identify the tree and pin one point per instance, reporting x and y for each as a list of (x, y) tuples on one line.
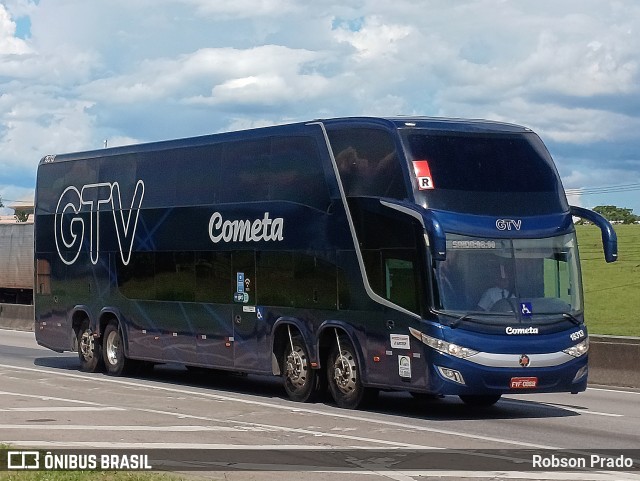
[(21, 216), (1, 204), (617, 214)]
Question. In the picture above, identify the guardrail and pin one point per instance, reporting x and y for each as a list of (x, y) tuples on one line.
[(613, 360)]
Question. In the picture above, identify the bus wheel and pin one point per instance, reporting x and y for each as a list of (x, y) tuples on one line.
[(480, 401), (113, 349), (300, 381), (89, 351), (343, 375)]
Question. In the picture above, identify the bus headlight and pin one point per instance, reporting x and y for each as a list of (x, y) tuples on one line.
[(579, 349), (443, 346)]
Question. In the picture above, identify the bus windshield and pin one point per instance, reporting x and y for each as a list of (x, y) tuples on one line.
[(529, 279)]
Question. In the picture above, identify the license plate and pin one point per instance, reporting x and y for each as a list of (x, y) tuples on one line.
[(524, 382)]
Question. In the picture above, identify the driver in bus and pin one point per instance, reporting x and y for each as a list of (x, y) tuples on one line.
[(503, 290)]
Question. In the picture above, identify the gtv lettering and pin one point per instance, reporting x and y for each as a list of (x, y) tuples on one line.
[(508, 224), (70, 226)]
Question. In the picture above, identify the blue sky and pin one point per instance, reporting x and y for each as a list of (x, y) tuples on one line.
[(75, 72)]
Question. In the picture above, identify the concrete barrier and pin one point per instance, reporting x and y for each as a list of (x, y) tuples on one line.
[(613, 360), (16, 316)]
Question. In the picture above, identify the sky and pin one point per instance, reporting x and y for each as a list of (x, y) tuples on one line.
[(74, 73)]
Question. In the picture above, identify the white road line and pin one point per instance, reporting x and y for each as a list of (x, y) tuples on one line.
[(94, 427), (566, 408), (45, 398), (286, 407), (283, 407), (583, 411), (58, 409), (619, 391)]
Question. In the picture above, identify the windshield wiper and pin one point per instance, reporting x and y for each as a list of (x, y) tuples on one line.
[(572, 318), (474, 316)]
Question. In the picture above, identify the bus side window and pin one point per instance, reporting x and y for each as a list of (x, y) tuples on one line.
[(368, 163), (296, 173), (391, 250)]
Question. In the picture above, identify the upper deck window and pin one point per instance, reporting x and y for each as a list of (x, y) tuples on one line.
[(487, 173), (368, 163)]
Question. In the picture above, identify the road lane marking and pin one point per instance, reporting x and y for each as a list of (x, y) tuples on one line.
[(94, 427), (637, 393), (46, 398), (60, 409), (286, 407)]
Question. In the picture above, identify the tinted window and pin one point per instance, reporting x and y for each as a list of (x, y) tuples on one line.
[(484, 163), (177, 276), (506, 174), (391, 252), (293, 279), (368, 163), (275, 168)]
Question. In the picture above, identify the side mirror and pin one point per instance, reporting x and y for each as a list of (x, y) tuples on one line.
[(609, 237)]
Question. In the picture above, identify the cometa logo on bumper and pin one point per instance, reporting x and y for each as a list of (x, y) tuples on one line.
[(521, 330), (265, 229)]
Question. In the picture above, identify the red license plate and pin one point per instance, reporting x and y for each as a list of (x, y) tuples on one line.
[(524, 382)]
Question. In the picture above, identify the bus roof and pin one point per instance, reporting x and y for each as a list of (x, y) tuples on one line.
[(399, 122)]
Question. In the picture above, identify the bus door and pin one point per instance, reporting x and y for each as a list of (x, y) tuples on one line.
[(246, 326)]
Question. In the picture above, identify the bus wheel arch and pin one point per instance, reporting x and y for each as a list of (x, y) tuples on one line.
[(291, 351)]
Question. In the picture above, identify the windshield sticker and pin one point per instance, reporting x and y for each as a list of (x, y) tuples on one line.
[(423, 174), (526, 309), (473, 244)]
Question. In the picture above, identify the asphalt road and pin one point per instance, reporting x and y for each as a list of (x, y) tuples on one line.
[(46, 402)]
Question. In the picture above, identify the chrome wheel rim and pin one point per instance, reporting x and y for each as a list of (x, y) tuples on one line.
[(345, 372), (113, 348), (87, 345), (297, 368)]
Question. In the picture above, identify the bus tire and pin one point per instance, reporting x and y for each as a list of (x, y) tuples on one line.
[(113, 350), (89, 350), (480, 400), (300, 380), (343, 375)]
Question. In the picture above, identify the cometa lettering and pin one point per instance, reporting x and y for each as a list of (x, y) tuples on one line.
[(265, 229), (521, 330)]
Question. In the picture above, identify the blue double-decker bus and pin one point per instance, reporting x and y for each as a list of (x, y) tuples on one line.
[(434, 256)]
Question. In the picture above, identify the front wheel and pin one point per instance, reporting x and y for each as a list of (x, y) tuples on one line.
[(89, 349), (300, 381), (343, 375), (480, 401), (113, 349)]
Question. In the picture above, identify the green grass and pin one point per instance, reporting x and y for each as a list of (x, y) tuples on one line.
[(611, 291)]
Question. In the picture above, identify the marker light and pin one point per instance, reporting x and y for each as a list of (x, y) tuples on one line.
[(579, 349), (443, 346)]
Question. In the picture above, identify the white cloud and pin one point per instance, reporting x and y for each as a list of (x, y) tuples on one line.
[(143, 70), (9, 43)]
